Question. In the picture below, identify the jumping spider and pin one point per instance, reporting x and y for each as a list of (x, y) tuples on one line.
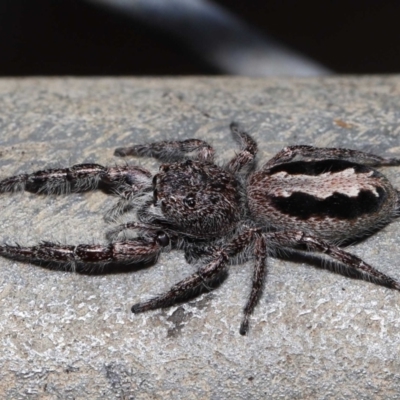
[(305, 198)]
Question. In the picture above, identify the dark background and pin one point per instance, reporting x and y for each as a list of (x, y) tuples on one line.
[(57, 37)]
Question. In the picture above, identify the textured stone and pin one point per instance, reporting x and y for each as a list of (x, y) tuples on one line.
[(315, 334)]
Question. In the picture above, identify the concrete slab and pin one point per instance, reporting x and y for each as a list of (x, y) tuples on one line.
[(314, 335)]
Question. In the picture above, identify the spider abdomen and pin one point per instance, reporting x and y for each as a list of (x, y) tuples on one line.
[(334, 199)]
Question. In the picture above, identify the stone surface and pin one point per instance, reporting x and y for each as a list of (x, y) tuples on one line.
[(315, 334)]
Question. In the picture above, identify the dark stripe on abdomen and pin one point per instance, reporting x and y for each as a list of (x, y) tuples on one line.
[(304, 206), (315, 168)]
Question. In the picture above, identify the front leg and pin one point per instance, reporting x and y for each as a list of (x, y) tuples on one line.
[(304, 152), (205, 274), (78, 178), (214, 269), (135, 251)]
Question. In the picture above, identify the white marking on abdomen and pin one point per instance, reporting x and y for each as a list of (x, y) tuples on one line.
[(346, 182)]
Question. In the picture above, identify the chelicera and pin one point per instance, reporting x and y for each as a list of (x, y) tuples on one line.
[(305, 198)]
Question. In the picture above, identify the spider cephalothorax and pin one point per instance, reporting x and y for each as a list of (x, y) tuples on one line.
[(198, 199), (305, 198)]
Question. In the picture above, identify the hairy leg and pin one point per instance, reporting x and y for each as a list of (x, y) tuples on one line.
[(260, 253), (205, 274), (320, 153), (80, 177), (170, 151), (134, 251), (212, 270), (248, 149), (163, 237), (294, 239)]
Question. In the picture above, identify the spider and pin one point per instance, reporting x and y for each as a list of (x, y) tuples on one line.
[(305, 199)]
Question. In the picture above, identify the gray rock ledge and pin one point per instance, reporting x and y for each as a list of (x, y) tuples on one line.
[(314, 335)]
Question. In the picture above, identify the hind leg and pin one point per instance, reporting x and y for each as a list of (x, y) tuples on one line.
[(304, 152)]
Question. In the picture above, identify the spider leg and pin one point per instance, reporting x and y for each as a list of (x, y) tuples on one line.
[(260, 253), (129, 198), (164, 238), (80, 177), (212, 270), (293, 239), (206, 273), (248, 149), (134, 251), (114, 233), (170, 151), (320, 153)]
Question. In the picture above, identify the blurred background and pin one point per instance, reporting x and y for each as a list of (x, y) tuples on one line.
[(198, 37)]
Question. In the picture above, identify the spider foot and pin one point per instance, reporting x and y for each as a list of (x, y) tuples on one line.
[(142, 307), (244, 326)]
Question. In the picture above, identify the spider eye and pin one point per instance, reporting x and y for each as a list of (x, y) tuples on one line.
[(214, 199), (190, 201), (164, 167), (162, 239)]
